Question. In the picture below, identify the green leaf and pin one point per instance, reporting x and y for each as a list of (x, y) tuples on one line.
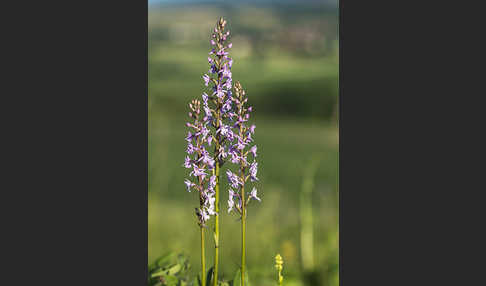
[(237, 279), (163, 260), (174, 269), (209, 276), (154, 282), (198, 280), (158, 274), (183, 261), (170, 280)]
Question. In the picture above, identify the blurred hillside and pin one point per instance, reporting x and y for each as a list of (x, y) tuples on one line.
[(286, 56)]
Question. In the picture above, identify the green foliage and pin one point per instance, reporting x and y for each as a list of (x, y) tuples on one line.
[(172, 270), (237, 280), (169, 270), (209, 276)]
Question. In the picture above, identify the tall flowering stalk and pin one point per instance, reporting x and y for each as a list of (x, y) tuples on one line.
[(211, 129), (217, 107), (201, 162), (239, 152)]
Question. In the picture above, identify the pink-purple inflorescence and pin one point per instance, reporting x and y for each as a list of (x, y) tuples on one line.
[(201, 162), (211, 127), (223, 126), (240, 151)]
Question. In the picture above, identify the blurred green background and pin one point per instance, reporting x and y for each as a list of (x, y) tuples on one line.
[(286, 57)]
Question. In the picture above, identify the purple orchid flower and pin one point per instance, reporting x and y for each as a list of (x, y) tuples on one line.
[(252, 129), (189, 137), (227, 105), (224, 129), (204, 216), (253, 150), (220, 92), (235, 159), (190, 148), (189, 185), (196, 172), (241, 144), (205, 97), (231, 203), (206, 79), (210, 208), (234, 180), (188, 162), (213, 69), (253, 171), (221, 153), (212, 182), (207, 159), (253, 195)]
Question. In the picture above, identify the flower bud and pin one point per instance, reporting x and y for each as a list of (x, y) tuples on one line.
[(221, 23), (237, 85), (279, 267), (278, 262)]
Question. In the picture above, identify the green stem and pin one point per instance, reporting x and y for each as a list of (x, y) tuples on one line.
[(203, 259), (216, 188), (216, 201), (243, 203), (216, 227), (243, 230)]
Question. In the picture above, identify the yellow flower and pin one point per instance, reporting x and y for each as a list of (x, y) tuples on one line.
[(279, 267), (278, 262)]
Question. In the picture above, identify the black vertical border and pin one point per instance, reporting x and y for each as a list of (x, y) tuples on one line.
[(75, 200), (400, 189)]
